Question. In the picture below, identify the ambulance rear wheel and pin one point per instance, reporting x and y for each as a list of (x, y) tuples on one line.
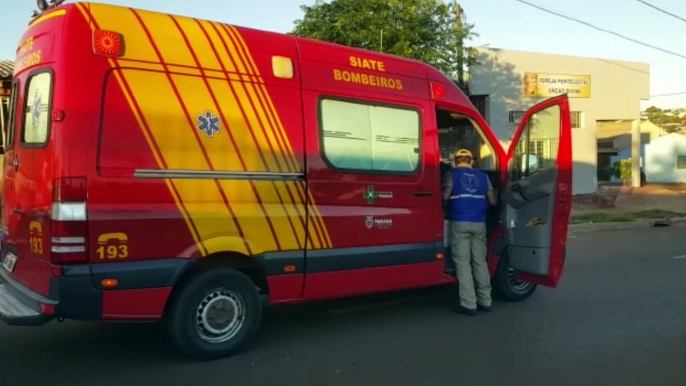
[(215, 314), (508, 286)]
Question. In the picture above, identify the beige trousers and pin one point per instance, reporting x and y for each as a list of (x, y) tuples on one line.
[(468, 250)]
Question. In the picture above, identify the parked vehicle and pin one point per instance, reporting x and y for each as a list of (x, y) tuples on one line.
[(160, 167)]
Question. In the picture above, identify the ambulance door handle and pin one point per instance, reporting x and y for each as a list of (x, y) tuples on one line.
[(423, 194), (18, 211)]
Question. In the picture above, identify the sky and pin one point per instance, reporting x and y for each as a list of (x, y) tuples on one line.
[(506, 24)]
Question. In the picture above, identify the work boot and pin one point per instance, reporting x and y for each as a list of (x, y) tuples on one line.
[(465, 311), (483, 308)]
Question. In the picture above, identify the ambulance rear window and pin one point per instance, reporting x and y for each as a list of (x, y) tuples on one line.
[(37, 111)]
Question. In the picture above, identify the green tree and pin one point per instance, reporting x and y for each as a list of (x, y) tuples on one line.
[(425, 30), (622, 170), (662, 118)]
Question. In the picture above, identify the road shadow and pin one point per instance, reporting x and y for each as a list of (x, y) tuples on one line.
[(66, 348)]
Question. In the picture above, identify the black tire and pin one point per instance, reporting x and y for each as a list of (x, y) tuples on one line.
[(509, 288), (204, 293)]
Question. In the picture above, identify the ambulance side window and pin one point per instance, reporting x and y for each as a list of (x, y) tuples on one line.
[(36, 124), (365, 137)]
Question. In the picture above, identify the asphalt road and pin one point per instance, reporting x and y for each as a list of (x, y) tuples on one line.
[(618, 318)]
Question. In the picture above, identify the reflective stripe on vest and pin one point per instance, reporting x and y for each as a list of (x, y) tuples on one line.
[(467, 196)]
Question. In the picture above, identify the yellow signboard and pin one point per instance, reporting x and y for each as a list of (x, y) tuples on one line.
[(541, 85)]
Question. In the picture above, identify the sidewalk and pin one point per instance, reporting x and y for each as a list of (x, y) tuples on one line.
[(622, 206), (589, 227), (627, 199)]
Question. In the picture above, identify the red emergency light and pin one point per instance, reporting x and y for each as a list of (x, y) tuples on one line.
[(108, 43), (438, 91)]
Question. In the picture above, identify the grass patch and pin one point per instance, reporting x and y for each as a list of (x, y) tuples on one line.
[(597, 217), (603, 217)]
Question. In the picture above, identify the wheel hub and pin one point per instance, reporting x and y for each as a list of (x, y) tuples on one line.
[(220, 316), (516, 284)]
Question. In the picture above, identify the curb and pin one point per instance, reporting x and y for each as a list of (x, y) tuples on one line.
[(587, 227)]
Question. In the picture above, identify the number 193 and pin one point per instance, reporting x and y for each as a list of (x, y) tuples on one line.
[(112, 252)]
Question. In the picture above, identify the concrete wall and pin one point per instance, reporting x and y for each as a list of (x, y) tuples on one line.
[(616, 92), (661, 159)]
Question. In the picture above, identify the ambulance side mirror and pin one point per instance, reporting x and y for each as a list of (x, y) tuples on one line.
[(533, 164), (523, 167)]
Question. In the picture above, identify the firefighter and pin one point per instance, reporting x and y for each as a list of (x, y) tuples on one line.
[(469, 192)]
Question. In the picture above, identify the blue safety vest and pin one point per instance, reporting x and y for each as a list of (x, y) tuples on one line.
[(468, 202)]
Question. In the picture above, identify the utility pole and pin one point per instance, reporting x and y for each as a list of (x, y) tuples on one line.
[(381, 41), (460, 44), (636, 153)]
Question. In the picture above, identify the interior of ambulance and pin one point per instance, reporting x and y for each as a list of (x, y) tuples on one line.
[(457, 131)]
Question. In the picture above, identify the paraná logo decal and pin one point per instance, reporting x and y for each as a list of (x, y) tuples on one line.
[(379, 223), (369, 222), (371, 195)]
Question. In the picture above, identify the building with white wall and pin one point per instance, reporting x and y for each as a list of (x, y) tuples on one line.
[(506, 83), (665, 159), (615, 140)]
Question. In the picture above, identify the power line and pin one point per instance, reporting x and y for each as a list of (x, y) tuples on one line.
[(661, 10), (670, 94), (602, 29)]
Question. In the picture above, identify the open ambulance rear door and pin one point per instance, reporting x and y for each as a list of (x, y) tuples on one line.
[(538, 195)]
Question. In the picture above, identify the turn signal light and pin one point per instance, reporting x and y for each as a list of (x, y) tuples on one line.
[(47, 309), (109, 283)]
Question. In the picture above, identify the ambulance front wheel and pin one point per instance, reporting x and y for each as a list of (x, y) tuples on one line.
[(508, 286), (214, 314)]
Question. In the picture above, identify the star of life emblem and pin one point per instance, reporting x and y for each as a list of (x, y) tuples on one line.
[(469, 182)]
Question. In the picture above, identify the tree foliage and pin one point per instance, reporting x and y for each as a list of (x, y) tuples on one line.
[(622, 170), (425, 30), (670, 120)]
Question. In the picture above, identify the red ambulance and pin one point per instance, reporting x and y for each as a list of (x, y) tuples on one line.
[(166, 168)]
